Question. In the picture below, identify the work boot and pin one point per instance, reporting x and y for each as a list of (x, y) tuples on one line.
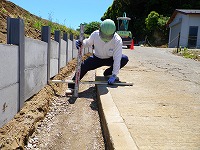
[(69, 91)]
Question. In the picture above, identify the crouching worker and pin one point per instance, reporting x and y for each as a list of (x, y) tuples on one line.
[(107, 52)]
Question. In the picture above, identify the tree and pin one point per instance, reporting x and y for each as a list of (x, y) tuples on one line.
[(152, 21), (138, 11), (92, 26), (155, 24)]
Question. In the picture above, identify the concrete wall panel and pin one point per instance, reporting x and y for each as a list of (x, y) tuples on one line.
[(63, 53), (53, 67), (35, 66), (74, 49), (69, 50), (9, 102), (9, 70), (54, 58), (54, 49), (35, 53), (34, 77)]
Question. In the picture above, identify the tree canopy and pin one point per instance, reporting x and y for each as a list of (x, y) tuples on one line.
[(92, 26), (138, 11)]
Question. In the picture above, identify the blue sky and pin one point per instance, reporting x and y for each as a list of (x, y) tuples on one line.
[(70, 13)]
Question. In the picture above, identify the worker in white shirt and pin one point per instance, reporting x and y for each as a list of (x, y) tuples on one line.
[(107, 52)]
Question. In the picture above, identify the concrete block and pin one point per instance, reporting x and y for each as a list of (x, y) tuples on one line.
[(115, 130), (120, 137)]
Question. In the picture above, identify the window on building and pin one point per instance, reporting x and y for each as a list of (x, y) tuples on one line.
[(192, 38)]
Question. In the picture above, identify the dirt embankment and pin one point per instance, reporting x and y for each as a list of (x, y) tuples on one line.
[(9, 9)]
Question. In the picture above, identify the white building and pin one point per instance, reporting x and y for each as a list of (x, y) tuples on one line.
[(185, 22)]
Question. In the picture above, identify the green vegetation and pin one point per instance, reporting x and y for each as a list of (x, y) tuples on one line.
[(3, 11), (39, 22), (156, 26), (138, 11), (154, 22), (90, 27), (192, 54)]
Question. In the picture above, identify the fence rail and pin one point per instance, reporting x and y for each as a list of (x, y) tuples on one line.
[(27, 64)]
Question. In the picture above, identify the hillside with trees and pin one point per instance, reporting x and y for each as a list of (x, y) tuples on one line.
[(148, 18)]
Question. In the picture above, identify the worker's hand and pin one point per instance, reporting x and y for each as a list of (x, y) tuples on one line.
[(112, 79), (78, 44)]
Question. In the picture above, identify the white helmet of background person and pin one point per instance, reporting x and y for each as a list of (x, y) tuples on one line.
[(107, 30)]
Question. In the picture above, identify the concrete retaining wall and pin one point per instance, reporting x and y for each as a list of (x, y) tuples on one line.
[(9, 82), (54, 58), (27, 64), (63, 53), (35, 66), (69, 50)]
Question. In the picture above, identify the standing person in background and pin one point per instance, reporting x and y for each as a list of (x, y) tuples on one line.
[(107, 52)]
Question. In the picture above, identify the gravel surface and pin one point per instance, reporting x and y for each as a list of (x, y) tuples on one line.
[(70, 123)]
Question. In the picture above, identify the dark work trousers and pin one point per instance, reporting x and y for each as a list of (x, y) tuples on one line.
[(94, 62)]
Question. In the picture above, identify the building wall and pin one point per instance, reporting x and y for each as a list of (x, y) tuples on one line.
[(181, 23), (184, 30), (194, 20), (175, 29)]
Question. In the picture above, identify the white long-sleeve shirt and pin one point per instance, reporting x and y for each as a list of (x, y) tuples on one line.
[(105, 50)]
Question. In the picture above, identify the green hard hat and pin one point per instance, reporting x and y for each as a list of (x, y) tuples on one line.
[(108, 27)]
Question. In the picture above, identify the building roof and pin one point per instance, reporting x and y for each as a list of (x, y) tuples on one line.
[(183, 11), (188, 11)]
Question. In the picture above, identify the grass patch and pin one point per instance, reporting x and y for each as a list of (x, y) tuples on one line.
[(191, 54), (3, 11)]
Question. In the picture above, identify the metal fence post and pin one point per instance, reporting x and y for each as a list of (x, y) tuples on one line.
[(178, 41), (46, 37), (71, 37), (65, 38), (16, 36), (57, 37)]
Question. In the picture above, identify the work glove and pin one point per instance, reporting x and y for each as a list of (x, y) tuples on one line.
[(112, 79), (78, 44)]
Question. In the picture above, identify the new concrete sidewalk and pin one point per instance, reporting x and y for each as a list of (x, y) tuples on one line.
[(160, 111)]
